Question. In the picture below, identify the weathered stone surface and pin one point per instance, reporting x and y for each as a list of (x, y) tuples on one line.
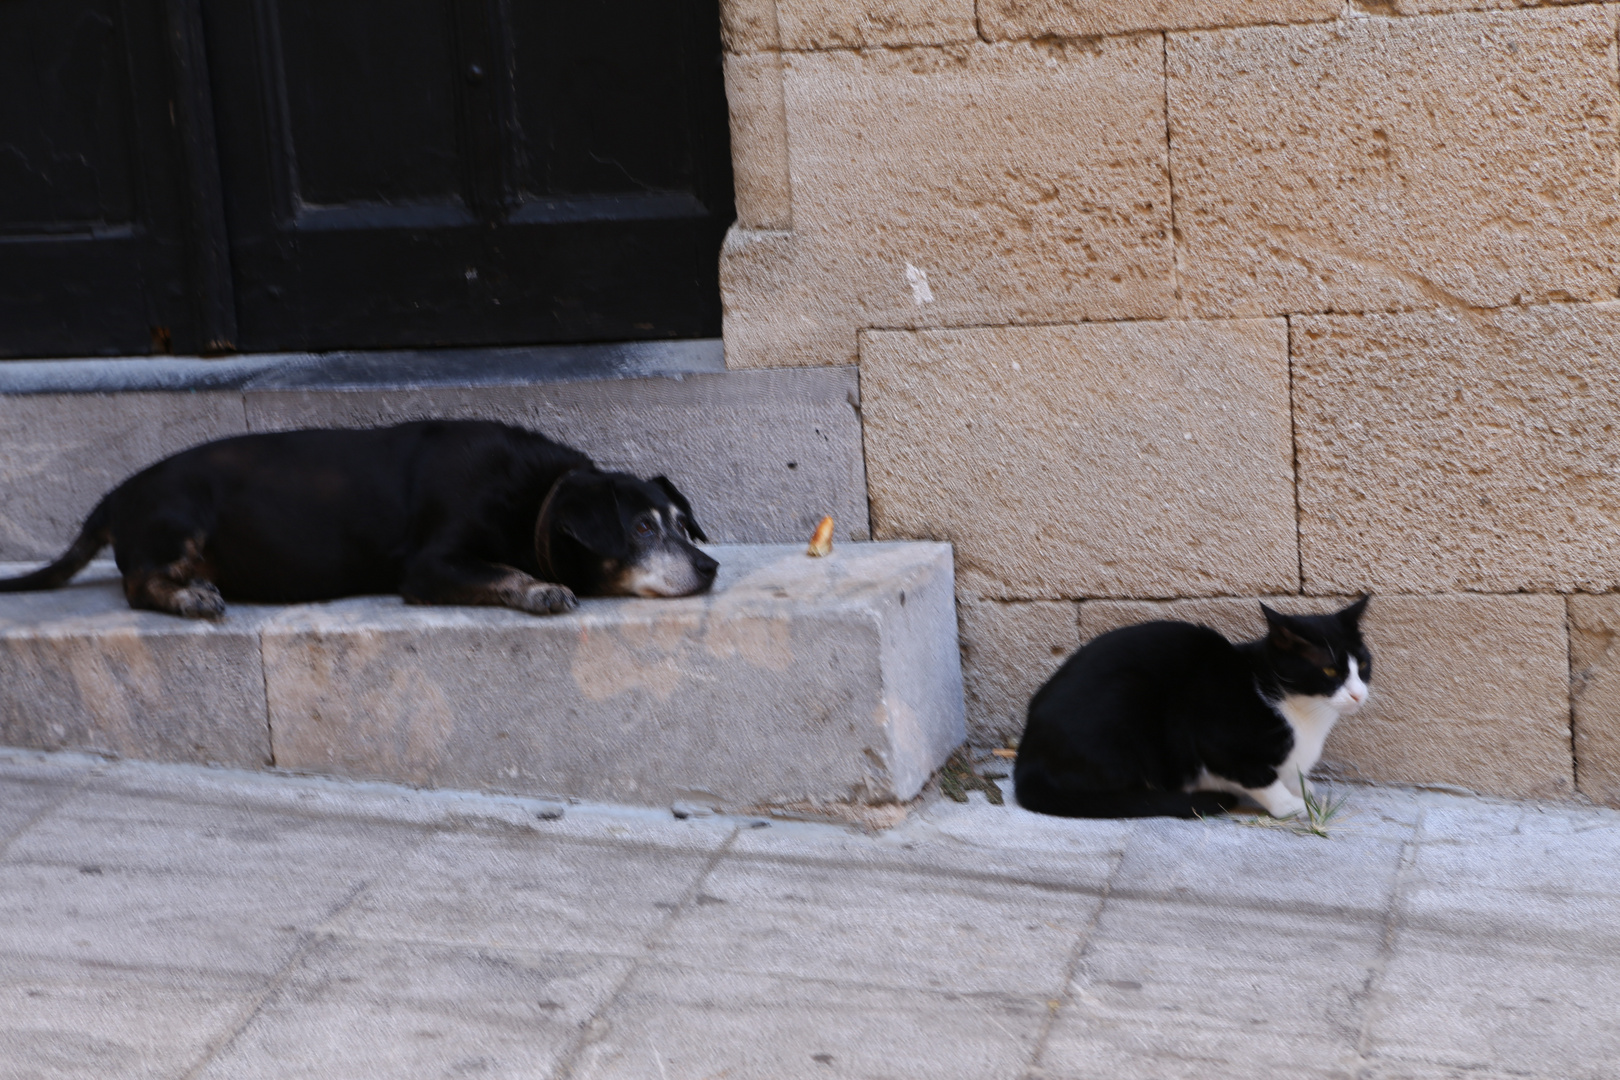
[(968, 184), (702, 1019), (1394, 163), (797, 680), (1211, 969), (762, 455), (833, 24), (1008, 650), (80, 670), (1128, 460), (1467, 690), (759, 144), (749, 25), (415, 1009), (1440, 450), (172, 920), (1594, 625), (1007, 19), (60, 453)]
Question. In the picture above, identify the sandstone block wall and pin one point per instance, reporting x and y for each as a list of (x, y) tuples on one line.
[(1161, 307)]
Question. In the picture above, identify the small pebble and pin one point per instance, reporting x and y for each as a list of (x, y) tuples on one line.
[(551, 811), (684, 810)]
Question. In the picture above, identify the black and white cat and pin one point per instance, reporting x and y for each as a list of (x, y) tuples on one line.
[(1171, 719)]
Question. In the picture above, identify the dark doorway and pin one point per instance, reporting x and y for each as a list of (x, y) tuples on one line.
[(267, 175)]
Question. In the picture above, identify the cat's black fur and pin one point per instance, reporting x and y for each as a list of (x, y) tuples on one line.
[(1129, 724)]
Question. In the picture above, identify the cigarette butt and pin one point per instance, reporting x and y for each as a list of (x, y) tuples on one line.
[(1002, 751), (821, 541)]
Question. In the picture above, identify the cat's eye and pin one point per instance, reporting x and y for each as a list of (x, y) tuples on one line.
[(1331, 672)]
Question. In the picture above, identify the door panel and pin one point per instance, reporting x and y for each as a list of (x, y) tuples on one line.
[(463, 172), (371, 115), (580, 93), (92, 252)]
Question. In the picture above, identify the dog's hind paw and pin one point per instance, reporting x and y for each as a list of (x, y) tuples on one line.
[(199, 600), (545, 599)]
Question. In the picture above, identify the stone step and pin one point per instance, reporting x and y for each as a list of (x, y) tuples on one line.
[(761, 454), (799, 682)]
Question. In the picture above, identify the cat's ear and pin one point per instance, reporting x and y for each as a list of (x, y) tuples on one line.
[(1285, 638), (1351, 616)]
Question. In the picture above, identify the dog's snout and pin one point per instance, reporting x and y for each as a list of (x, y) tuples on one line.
[(706, 568)]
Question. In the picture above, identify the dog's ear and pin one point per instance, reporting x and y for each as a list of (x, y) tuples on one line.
[(591, 516), (693, 529)]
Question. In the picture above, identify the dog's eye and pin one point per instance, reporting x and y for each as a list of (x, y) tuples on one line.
[(644, 528), (1330, 672)]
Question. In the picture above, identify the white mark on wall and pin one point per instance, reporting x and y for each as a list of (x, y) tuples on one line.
[(918, 280)]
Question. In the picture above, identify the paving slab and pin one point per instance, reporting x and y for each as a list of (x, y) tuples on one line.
[(55, 1030), (1479, 1005), (247, 924), (670, 1020), (358, 1008), (944, 933), (524, 890), (1215, 969), (27, 792)]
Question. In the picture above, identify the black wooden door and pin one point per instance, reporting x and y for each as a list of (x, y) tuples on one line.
[(107, 193), (436, 172), (207, 175)]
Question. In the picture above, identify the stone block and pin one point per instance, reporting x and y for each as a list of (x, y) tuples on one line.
[(763, 273), (749, 26), (1594, 623), (1459, 451), (762, 455), (1378, 164), (966, 184), (1467, 690), (798, 681), (1011, 19), (80, 670), (1008, 650), (845, 24), (759, 147), (60, 453), (1137, 459)]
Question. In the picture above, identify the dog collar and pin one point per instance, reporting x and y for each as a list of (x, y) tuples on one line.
[(542, 535)]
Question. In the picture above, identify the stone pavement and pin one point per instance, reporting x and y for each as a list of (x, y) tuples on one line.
[(179, 921)]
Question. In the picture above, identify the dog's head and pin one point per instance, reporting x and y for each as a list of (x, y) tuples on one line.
[(610, 534)]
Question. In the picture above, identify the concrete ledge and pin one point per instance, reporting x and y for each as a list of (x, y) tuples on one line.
[(395, 369), (79, 669), (799, 681)]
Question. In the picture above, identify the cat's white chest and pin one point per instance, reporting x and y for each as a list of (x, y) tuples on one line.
[(1311, 719)]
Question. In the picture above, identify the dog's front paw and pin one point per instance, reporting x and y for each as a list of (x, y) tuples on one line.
[(199, 600), (546, 599)]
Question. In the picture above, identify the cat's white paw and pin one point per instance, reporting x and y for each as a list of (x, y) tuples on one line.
[(1278, 800)]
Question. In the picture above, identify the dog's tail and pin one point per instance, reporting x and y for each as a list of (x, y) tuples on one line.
[(92, 538)]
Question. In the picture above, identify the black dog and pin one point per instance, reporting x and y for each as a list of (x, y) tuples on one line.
[(442, 512)]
